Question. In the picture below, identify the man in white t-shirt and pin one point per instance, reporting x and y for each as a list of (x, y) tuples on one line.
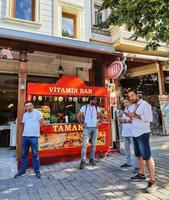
[(88, 116), (127, 133), (32, 121)]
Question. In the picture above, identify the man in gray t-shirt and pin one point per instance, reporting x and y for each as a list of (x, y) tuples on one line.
[(32, 121)]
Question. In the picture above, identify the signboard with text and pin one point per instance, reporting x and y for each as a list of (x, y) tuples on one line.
[(115, 69), (61, 136), (67, 85)]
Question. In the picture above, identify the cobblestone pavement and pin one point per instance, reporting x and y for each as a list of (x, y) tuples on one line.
[(105, 181)]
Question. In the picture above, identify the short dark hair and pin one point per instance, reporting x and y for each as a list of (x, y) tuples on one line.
[(91, 98), (28, 101), (137, 92), (126, 99), (134, 91)]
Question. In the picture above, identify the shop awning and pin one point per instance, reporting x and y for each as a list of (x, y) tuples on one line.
[(20, 40)]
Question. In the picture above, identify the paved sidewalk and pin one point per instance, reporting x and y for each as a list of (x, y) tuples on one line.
[(105, 181)]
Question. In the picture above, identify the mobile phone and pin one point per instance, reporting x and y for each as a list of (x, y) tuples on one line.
[(126, 113)]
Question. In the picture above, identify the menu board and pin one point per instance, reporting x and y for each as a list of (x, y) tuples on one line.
[(164, 105)]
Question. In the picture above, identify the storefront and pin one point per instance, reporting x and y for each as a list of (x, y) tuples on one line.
[(149, 80), (25, 46), (57, 51), (8, 110), (61, 137)]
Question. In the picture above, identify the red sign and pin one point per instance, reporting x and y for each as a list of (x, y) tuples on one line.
[(115, 69), (62, 136), (67, 85), (59, 128)]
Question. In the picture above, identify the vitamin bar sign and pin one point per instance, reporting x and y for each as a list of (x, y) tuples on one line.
[(115, 69), (65, 86)]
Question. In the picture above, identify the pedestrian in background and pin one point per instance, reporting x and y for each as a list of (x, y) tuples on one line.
[(127, 133)]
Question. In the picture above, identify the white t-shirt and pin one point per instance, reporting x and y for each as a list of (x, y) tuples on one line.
[(90, 115), (126, 127), (141, 126), (31, 123)]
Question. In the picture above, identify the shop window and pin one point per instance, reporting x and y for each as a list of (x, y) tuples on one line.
[(24, 9), (69, 25)]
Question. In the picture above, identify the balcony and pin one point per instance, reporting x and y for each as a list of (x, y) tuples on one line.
[(122, 41), (100, 31)]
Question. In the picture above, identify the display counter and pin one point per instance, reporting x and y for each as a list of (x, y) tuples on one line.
[(61, 137)]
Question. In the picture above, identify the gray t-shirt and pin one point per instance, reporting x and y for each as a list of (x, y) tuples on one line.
[(31, 123)]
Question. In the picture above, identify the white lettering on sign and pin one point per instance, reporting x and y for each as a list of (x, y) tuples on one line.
[(70, 90), (85, 91), (68, 128), (63, 90), (115, 69)]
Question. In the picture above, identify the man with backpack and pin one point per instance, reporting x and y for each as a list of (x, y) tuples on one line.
[(88, 116)]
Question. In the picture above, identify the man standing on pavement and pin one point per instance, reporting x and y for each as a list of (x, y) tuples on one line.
[(127, 133), (141, 118), (88, 116), (32, 121)]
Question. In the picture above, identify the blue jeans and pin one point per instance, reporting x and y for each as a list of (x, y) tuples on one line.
[(89, 133), (28, 142), (128, 142)]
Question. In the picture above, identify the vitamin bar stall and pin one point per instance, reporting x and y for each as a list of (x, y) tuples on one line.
[(59, 103)]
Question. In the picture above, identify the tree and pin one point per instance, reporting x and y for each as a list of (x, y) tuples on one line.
[(148, 19)]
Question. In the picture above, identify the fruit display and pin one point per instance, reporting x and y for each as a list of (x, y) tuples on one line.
[(66, 140), (72, 117), (53, 119), (45, 110)]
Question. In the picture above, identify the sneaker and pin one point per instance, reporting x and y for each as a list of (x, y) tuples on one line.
[(92, 162), (138, 177), (20, 173), (136, 170), (38, 175), (151, 187), (125, 165), (82, 165)]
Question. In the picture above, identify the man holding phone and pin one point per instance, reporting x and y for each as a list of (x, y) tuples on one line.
[(141, 117)]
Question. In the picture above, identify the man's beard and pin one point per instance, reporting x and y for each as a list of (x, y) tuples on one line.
[(135, 101)]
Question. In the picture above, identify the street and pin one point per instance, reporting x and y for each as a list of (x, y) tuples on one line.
[(105, 181)]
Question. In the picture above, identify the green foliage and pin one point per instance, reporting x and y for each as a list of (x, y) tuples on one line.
[(148, 19)]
